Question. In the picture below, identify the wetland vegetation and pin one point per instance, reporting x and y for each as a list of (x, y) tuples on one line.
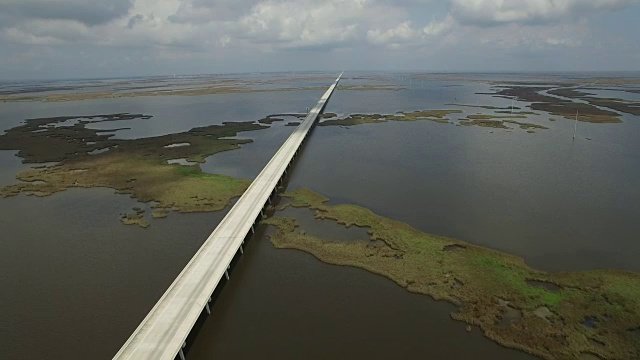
[(629, 107), (487, 107), (138, 167), (589, 112), (162, 170), (357, 119), (551, 315), (439, 116), (226, 87)]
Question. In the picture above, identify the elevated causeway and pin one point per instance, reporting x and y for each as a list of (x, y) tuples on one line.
[(163, 333)]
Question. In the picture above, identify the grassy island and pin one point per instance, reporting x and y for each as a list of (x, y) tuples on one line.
[(439, 116), (499, 122), (87, 158), (487, 107), (135, 218), (552, 315), (629, 107), (561, 107), (496, 124), (357, 119), (526, 126)]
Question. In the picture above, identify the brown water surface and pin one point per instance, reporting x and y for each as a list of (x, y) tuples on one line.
[(77, 282)]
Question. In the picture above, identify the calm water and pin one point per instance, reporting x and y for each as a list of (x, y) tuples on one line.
[(79, 282)]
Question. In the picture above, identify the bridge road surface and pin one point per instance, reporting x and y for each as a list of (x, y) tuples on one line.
[(163, 332)]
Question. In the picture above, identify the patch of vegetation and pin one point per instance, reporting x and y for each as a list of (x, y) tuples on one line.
[(497, 124), (440, 116), (137, 167), (298, 115), (625, 106), (269, 120), (135, 218), (490, 117), (482, 282), (556, 106), (328, 115), (160, 214), (516, 112), (526, 126), (223, 87), (487, 107), (357, 119)]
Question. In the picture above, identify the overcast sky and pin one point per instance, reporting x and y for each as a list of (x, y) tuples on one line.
[(105, 38)]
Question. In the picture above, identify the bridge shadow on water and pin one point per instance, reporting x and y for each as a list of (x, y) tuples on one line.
[(259, 232)]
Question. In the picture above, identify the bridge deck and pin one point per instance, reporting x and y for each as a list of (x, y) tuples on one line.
[(164, 330)]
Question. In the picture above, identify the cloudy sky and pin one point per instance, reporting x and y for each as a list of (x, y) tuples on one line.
[(104, 38)]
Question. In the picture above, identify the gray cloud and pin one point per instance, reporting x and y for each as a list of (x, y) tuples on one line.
[(136, 19), (88, 12)]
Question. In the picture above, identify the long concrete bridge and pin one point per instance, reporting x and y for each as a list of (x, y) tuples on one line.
[(163, 333)]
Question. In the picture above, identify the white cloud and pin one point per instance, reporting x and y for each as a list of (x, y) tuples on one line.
[(270, 25), (495, 12), (234, 30), (435, 28), (563, 41), (530, 39), (402, 33), (302, 24), (224, 41), (204, 11)]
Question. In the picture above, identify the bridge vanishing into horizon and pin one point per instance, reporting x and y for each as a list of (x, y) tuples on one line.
[(163, 333)]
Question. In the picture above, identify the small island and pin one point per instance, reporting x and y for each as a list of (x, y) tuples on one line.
[(592, 111), (80, 157), (551, 315), (497, 121)]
